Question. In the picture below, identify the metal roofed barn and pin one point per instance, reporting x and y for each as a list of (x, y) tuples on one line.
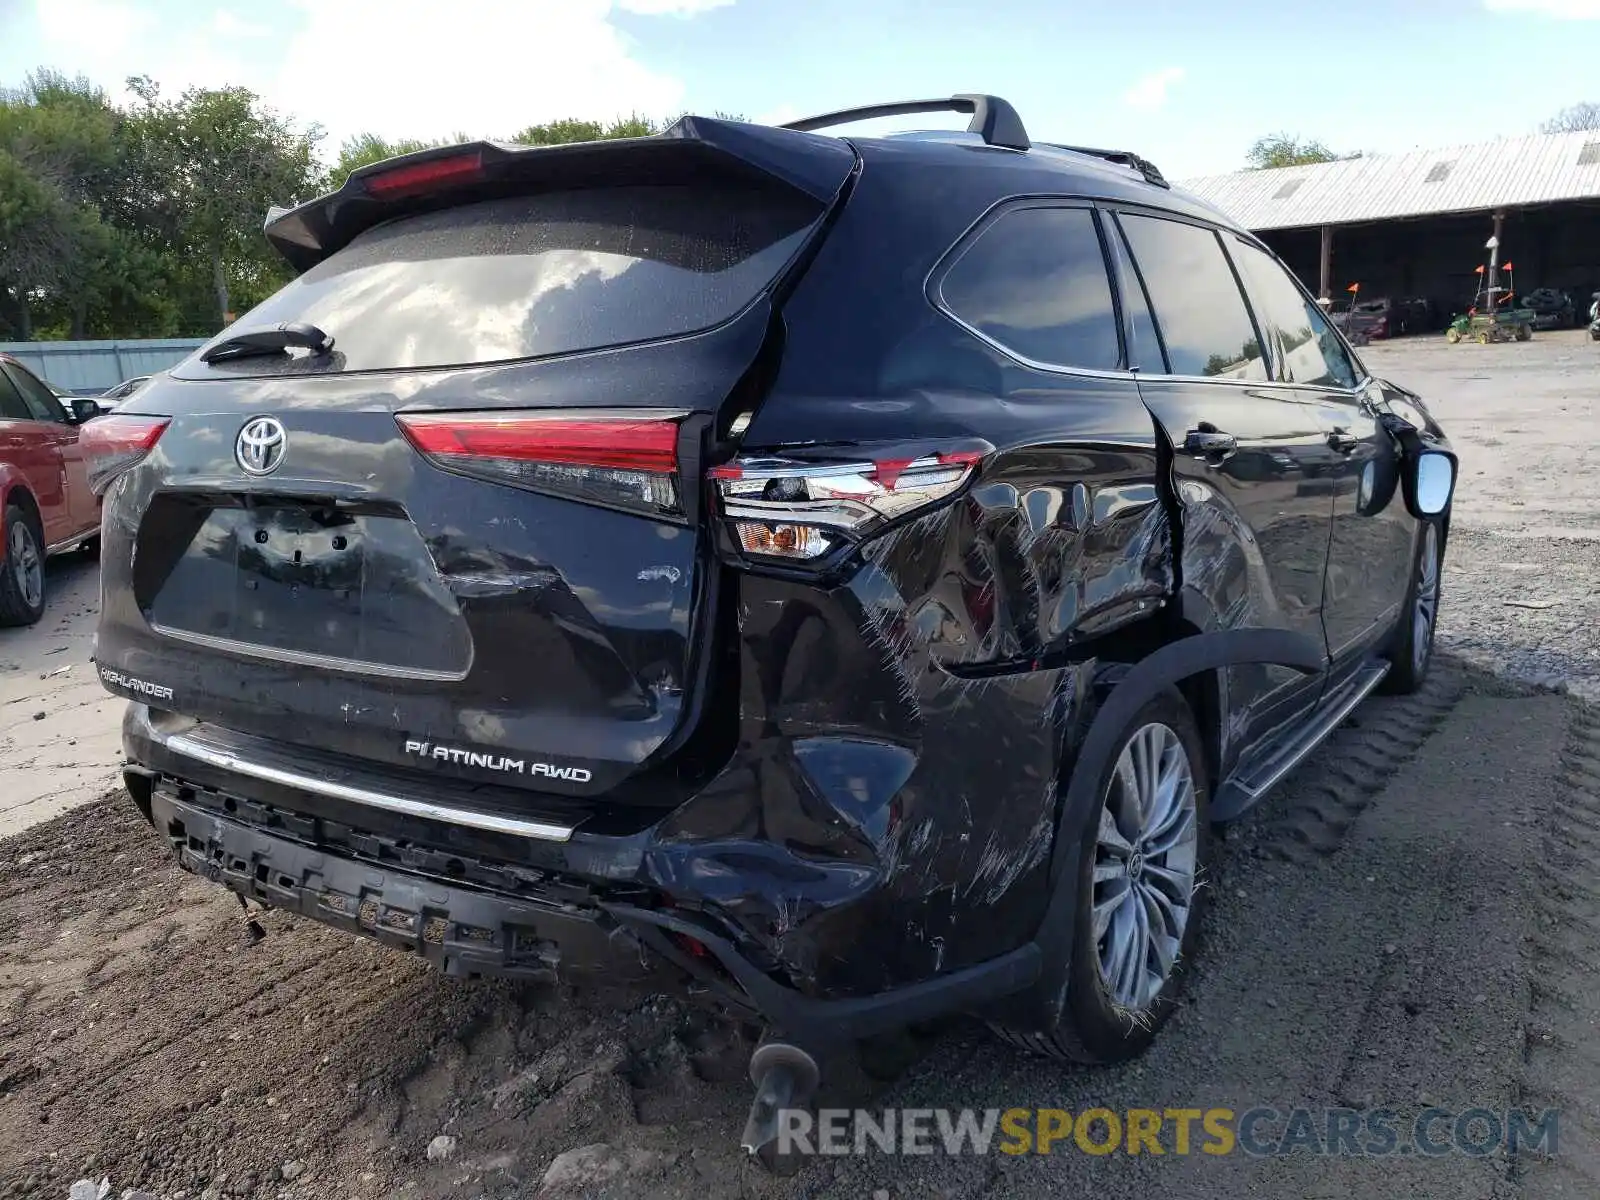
[(1413, 226)]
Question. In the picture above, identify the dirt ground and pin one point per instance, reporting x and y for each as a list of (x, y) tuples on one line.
[(1412, 919)]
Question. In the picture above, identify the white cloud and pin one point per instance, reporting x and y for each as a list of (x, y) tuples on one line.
[(671, 8), (781, 115), (97, 27), (1564, 10), (391, 67), (229, 25), (1149, 92)]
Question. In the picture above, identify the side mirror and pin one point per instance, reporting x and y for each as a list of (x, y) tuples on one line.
[(84, 408), (1430, 483)]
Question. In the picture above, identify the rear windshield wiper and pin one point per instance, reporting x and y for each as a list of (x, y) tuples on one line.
[(269, 339)]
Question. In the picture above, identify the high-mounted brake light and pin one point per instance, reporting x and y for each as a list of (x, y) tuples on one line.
[(112, 444), (784, 509), (431, 175), (624, 458)]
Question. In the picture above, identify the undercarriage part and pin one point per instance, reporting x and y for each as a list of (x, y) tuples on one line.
[(786, 1078)]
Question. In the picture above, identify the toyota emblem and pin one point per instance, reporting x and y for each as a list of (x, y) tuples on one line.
[(261, 445)]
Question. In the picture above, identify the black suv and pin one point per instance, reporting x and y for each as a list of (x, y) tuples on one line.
[(844, 577)]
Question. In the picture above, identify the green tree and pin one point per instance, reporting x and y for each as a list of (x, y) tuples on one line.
[(59, 175), (368, 148), (1289, 150), (572, 129), (213, 162), (1575, 119)]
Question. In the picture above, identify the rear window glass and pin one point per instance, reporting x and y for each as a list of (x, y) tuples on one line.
[(1203, 319), (528, 276), (1035, 282)]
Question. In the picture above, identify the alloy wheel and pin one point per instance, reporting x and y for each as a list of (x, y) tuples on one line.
[(27, 563), (1146, 853)]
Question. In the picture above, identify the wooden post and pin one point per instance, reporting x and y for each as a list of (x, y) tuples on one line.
[(1325, 275)]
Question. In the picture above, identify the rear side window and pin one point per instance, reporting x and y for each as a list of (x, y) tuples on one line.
[(1035, 282), (528, 276), (1308, 350), (1204, 322), (11, 406), (41, 401)]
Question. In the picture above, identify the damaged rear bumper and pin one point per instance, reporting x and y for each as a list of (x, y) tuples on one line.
[(238, 830)]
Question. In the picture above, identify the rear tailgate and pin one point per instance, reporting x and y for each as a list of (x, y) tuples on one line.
[(469, 539)]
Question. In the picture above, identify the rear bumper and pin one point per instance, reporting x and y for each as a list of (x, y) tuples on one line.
[(463, 931), (238, 829)]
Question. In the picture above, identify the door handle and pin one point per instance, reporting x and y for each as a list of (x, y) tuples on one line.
[(1209, 442), (1343, 441)]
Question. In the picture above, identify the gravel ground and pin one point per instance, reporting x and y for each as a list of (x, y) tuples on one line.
[(1523, 572), (1411, 919)]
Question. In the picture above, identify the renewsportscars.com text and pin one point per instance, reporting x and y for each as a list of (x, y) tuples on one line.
[(1259, 1132)]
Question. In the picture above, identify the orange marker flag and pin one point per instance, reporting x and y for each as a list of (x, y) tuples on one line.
[(1354, 287), (1509, 267)]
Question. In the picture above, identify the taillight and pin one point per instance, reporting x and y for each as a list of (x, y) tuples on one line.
[(801, 511), (620, 458), (414, 179), (111, 444)]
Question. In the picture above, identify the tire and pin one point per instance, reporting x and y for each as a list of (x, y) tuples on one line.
[(21, 569), (1523, 333), (1411, 644), (1111, 1016), (1452, 335)]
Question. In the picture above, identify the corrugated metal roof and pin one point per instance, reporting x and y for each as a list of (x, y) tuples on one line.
[(1483, 175)]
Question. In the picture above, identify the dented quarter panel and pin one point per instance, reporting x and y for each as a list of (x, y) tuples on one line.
[(903, 732)]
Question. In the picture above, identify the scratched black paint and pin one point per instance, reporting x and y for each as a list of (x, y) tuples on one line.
[(854, 779)]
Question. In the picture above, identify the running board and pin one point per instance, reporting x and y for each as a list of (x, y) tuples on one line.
[(1246, 789)]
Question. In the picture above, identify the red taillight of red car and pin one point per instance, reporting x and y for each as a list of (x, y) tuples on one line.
[(112, 444), (622, 458)]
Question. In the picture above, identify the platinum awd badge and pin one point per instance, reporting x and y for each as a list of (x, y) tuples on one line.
[(457, 756), (142, 687)]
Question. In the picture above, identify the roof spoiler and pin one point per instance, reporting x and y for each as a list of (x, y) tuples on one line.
[(1123, 158), (992, 118), (686, 153)]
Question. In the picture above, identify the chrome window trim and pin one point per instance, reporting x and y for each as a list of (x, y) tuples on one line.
[(933, 285), (933, 290)]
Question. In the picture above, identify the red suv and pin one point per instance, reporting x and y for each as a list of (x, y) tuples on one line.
[(46, 503)]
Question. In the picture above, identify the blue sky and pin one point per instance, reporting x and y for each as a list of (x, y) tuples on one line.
[(1189, 85)]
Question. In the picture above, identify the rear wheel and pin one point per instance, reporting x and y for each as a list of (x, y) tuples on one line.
[(1411, 646), (1139, 905), (1523, 333), (1452, 335), (21, 570)]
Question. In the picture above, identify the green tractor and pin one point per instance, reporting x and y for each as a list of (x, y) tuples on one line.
[(1502, 325), (1501, 322)]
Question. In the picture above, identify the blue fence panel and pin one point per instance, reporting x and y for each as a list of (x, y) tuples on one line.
[(88, 368)]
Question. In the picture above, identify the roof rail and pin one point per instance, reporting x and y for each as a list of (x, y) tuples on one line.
[(1123, 158), (992, 117)]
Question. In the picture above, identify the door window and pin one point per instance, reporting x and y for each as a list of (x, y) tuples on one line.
[(11, 406), (1204, 321), (41, 401), (1307, 349), (1035, 283)]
